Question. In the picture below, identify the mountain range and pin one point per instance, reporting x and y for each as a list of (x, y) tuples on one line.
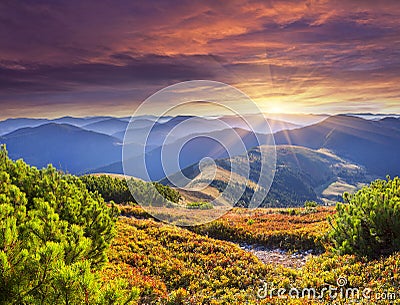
[(67, 147), (317, 159), (373, 144)]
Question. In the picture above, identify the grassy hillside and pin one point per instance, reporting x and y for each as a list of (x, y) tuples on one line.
[(301, 174)]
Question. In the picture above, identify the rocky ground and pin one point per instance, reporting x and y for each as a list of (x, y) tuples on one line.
[(279, 256)]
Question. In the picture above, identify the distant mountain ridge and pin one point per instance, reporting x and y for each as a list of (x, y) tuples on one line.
[(114, 129), (373, 144), (116, 126), (108, 126), (11, 125), (67, 147), (194, 147)]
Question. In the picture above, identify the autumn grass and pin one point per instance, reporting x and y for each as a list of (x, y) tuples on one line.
[(172, 265), (303, 229)]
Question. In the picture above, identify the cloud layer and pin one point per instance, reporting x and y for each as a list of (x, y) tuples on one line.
[(105, 57)]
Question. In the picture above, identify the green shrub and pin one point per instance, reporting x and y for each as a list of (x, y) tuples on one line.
[(250, 222), (116, 189), (200, 205), (310, 204), (368, 222), (110, 188), (54, 235)]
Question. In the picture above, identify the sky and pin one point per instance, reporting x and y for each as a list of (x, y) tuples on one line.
[(98, 57)]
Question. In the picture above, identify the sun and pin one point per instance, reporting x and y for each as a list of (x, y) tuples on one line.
[(273, 105), (275, 109)]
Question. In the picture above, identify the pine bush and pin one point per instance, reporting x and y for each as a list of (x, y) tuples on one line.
[(54, 234), (368, 222)]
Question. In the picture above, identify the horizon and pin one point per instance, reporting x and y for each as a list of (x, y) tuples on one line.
[(194, 115)]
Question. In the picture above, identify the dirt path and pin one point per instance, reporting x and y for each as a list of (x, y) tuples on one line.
[(279, 256)]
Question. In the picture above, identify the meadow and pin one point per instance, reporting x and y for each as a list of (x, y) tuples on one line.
[(205, 265)]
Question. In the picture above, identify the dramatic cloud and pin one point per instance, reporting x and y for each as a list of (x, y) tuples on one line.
[(98, 57)]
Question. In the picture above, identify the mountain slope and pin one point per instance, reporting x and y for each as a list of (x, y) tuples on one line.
[(67, 147), (11, 125), (391, 123), (203, 125), (79, 121), (373, 144), (301, 174), (258, 123), (194, 147), (108, 126)]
